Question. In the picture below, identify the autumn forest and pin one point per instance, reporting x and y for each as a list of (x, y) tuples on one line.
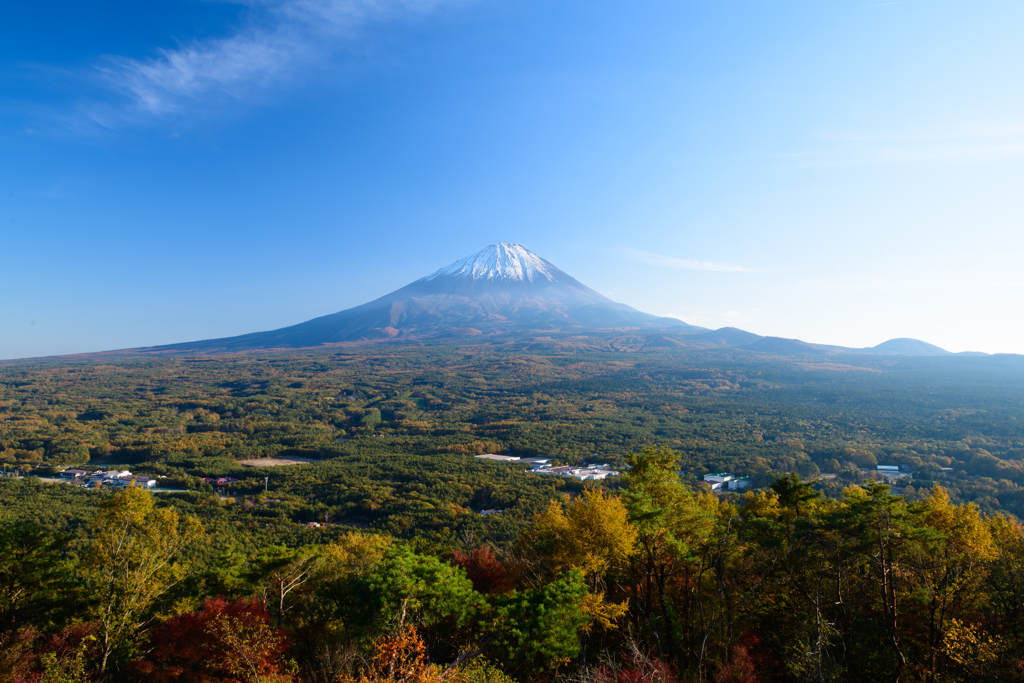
[(369, 559)]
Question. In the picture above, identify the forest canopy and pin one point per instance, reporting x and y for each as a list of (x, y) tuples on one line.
[(373, 556)]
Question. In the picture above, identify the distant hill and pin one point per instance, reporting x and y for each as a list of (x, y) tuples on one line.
[(907, 347), (503, 288)]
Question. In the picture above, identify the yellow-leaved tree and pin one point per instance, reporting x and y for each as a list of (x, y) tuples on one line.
[(136, 556), (592, 533), (1005, 589), (951, 564)]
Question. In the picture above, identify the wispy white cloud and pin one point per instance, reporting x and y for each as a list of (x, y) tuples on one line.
[(971, 143), (713, 319), (278, 40), (935, 285), (680, 263), (927, 137)]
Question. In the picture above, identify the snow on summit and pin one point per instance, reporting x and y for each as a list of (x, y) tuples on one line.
[(501, 261)]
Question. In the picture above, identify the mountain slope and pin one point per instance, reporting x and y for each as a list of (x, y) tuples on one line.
[(726, 336), (781, 346), (503, 288)]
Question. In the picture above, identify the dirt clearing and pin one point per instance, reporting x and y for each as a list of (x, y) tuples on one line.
[(276, 462)]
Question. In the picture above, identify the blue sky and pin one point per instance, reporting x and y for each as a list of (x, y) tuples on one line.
[(840, 172)]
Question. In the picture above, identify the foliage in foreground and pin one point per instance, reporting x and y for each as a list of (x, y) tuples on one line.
[(659, 583)]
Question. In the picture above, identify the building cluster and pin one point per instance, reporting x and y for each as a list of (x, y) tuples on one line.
[(122, 479), (592, 472), (543, 466), (723, 481)]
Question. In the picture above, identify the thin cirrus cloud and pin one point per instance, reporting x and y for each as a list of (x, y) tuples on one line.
[(966, 144), (278, 40), (681, 263)]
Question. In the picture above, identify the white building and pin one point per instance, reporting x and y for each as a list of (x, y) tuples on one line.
[(717, 479), (893, 472), (722, 481), (537, 463)]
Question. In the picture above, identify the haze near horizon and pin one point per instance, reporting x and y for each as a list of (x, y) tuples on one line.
[(182, 170)]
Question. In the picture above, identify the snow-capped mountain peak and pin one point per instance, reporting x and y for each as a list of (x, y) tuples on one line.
[(503, 289), (501, 262)]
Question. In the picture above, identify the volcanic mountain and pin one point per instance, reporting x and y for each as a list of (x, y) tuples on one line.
[(503, 288)]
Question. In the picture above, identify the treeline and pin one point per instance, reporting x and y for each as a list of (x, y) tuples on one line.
[(958, 422), (654, 582)]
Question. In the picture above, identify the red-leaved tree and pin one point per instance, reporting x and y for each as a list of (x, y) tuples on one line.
[(739, 670), (486, 572), (223, 641)]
